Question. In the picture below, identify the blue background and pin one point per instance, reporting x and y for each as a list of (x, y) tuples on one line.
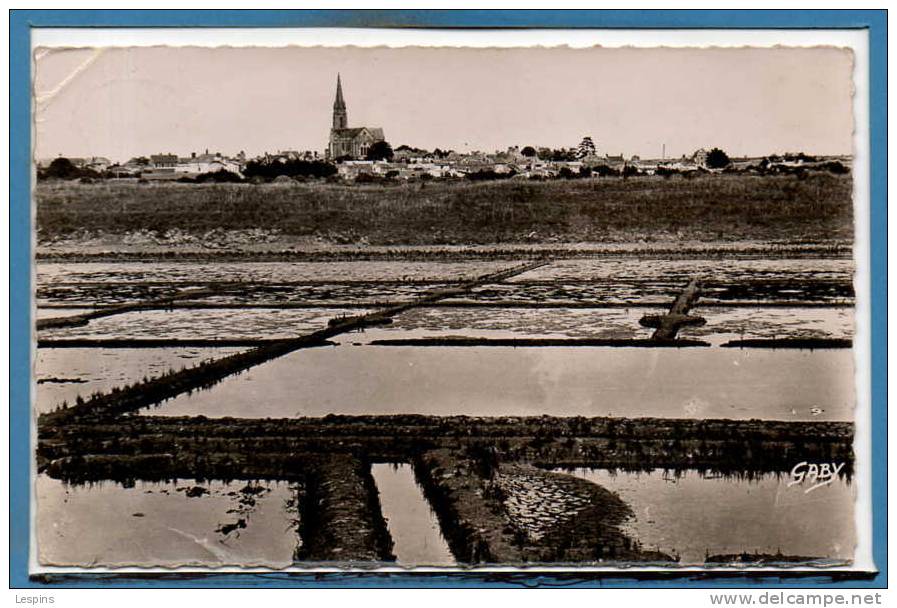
[(21, 21)]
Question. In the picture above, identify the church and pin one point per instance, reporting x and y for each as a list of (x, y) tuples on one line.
[(346, 142)]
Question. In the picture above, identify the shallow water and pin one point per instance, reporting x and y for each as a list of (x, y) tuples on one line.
[(616, 292), (321, 294), (155, 524), (91, 294), (660, 291), (682, 270), (267, 272), (695, 515), (489, 322), (212, 324), (51, 313), (412, 524), (105, 294), (725, 324), (524, 381), (63, 374)]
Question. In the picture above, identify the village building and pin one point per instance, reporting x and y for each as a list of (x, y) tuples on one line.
[(346, 142), (612, 160), (207, 163), (700, 157), (164, 161)]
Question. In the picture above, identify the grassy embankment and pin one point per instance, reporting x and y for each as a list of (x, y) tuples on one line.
[(816, 208)]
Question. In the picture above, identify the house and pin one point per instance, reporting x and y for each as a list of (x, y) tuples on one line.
[(207, 163), (614, 160), (164, 161), (351, 169), (700, 157)]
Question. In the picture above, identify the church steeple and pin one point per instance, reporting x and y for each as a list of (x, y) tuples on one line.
[(340, 117)]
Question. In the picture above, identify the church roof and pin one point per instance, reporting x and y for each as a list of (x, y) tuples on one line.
[(376, 132)]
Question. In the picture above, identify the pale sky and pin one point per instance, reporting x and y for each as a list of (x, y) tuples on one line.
[(121, 102)]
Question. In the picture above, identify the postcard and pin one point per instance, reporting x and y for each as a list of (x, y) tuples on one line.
[(445, 307)]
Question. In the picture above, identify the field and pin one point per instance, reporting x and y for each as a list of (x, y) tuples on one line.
[(816, 208)]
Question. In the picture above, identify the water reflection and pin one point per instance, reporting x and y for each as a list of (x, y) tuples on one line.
[(55, 313), (164, 524), (558, 381), (695, 515), (64, 374), (412, 524)]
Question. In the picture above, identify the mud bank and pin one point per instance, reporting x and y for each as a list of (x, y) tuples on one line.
[(521, 342), (161, 343), (806, 343), (341, 519), (518, 514), (761, 559)]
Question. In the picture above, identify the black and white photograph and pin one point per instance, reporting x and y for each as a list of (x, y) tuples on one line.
[(351, 307)]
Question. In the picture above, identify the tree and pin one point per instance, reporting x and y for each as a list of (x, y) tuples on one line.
[(528, 151), (265, 170), (717, 159), (219, 177), (562, 155), (380, 150), (586, 148), (62, 168)]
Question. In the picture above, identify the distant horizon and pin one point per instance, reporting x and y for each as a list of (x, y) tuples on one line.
[(321, 155), (121, 103)]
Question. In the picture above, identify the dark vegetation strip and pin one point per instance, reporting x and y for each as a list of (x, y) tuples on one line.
[(526, 342), (804, 343), (473, 522), (341, 519), (133, 397), (413, 425), (138, 447), (242, 285), (556, 282), (165, 342), (578, 304), (812, 250)]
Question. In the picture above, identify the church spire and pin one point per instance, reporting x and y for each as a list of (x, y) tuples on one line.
[(339, 103), (340, 117)]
